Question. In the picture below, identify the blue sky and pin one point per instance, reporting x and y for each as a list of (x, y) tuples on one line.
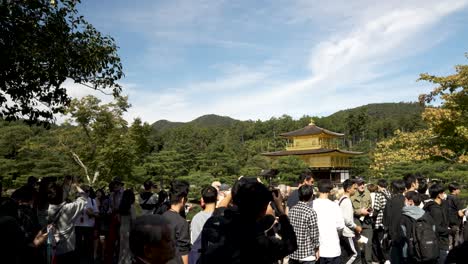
[(259, 59)]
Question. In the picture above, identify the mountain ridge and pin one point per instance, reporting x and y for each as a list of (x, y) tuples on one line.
[(375, 111)]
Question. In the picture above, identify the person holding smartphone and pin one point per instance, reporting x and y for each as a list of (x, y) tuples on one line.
[(362, 206)]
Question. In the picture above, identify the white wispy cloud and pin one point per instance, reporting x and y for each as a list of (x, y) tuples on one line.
[(355, 56), (359, 45)]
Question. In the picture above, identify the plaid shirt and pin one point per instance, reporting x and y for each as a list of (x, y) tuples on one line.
[(379, 206), (304, 221)]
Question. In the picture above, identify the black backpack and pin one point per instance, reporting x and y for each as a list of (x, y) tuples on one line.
[(218, 240), (422, 240), (145, 197)]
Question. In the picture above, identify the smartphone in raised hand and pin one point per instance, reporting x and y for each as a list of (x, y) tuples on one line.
[(275, 192)]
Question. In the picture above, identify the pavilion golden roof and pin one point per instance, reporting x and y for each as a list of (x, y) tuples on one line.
[(309, 151), (311, 129)]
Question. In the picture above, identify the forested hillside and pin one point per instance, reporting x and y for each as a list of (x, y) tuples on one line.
[(371, 122), (209, 147)]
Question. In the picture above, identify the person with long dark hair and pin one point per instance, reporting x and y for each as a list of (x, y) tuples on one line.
[(102, 222), (127, 215)]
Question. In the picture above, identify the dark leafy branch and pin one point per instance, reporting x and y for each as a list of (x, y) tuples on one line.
[(42, 45)]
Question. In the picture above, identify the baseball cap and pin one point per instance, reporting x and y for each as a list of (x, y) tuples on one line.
[(224, 187), (359, 180), (117, 180)]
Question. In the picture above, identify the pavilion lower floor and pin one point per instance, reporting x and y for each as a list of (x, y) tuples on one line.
[(336, 175)]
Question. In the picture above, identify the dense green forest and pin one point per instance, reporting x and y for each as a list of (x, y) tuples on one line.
[(97, 138), (96, 144)]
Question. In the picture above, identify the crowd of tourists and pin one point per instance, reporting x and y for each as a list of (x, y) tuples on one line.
[(409, 220)]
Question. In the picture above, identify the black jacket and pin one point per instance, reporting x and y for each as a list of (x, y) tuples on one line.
[(257, 247), (238, 240), (454, 205), (396, 204), (439, 214)]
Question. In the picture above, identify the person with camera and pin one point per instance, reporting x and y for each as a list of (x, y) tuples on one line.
[(84, 228), (61, 218), (362, 205)]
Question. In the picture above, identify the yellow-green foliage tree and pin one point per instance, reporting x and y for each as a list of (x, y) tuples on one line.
[(446, 136)]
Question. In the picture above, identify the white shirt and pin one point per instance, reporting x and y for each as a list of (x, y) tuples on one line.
[(83, 219), (330, 221), (348, 216), (372, 196)]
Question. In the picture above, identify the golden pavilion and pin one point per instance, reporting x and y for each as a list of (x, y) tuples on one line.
[(319, 148)]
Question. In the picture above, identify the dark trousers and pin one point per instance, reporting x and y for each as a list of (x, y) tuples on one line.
[(442, 256), (367, 231), (396, 254), (112, 241), (378, 251), (454, 236), (350, 253), (84, 243), (336, 260)]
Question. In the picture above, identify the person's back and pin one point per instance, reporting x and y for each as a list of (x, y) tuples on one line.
[(221, 232), (238, 237), (27, 218), (453, 206), (382, 197), (29, 187), (455, 212), (208, 202), (422, 190), (304, 221), (127, 215), (393, 209), (392, 218), (62, 215), (330, 221), (255, 245), (180, 227), (437, 210), (148, 199), (418, 232), (220, 238), (12, 241)]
